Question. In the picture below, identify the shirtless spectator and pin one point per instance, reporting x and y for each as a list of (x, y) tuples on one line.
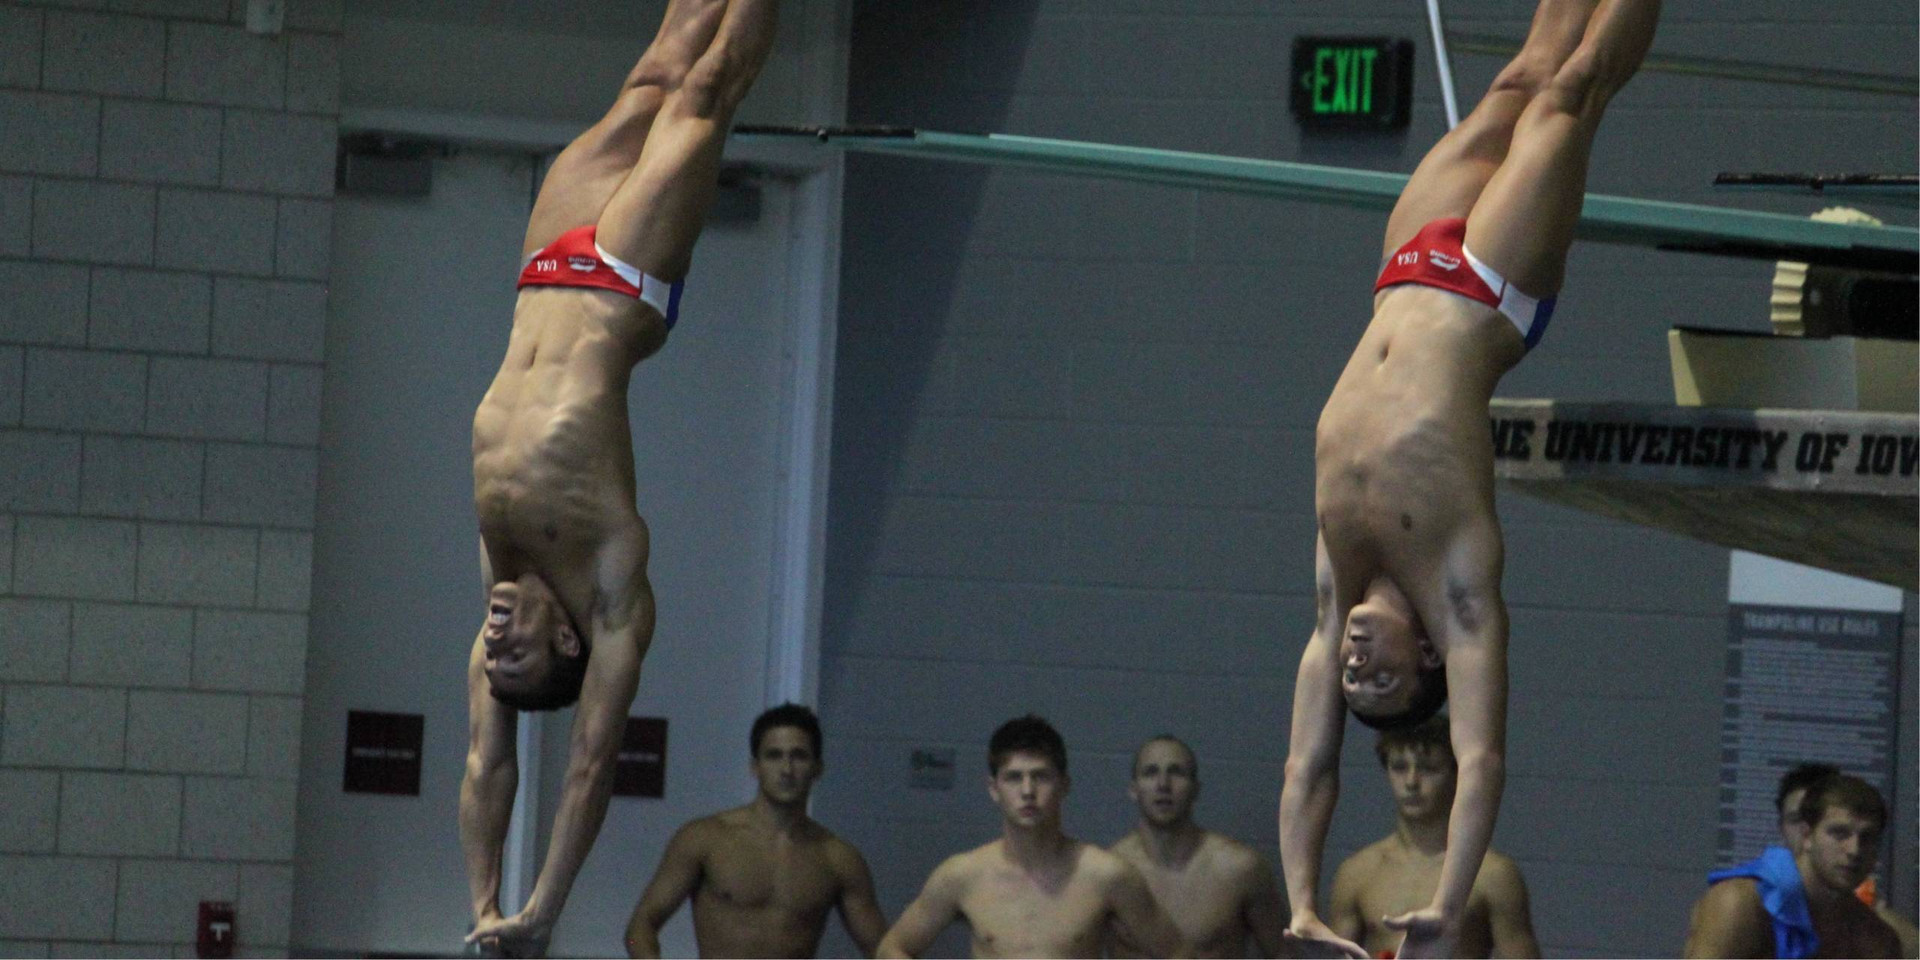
[(1218, 891), (1794, 785), (1802, 903), (1035, 892), (1399, 872), (764, 876)]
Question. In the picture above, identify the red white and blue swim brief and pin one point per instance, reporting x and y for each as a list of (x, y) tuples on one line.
[(576, 260), (1437, 256)]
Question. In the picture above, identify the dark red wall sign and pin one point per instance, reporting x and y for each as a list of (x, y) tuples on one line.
[(383, 752), (641, 768)]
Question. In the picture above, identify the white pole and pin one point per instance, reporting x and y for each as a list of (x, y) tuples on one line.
[(521, 859), (1444, 65)]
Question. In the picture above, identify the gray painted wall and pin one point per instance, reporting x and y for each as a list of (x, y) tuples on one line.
[(539, 61), (1072, 460)]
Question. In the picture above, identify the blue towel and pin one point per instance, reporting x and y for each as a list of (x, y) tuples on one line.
[(1784, 896)]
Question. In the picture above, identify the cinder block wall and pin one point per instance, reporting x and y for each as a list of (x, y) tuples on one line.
[(165, 195), (1072, 468)]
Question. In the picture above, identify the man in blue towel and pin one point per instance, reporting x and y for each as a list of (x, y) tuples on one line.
[(1801, 903)]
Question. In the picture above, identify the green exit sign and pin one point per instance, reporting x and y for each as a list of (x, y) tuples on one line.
[(1352, 82)]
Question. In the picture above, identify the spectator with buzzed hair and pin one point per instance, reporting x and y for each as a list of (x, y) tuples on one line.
[(1219, 891)]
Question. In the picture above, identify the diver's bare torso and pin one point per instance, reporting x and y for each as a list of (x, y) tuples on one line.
[(1403, 453), (553, 479)]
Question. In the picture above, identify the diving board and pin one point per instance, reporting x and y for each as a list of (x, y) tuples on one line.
[(1872, 186), (1605, 219), (1826, 488)]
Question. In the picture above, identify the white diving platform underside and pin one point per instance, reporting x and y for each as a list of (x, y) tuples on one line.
[(1827, 488)]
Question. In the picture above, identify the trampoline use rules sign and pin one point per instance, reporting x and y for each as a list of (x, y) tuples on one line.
[(1804, 684)]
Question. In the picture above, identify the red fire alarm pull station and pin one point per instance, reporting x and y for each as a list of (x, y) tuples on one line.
[(216, 929)]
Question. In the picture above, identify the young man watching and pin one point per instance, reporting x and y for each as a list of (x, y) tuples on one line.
[(1801, 903), (1399, 872), (1793, 832), (1217, 890), (1794, 785), (1034, 892), (764, 876)]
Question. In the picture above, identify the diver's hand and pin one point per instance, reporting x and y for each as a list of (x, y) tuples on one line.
[(1428, 933), (517, 936), (1308, 937)]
